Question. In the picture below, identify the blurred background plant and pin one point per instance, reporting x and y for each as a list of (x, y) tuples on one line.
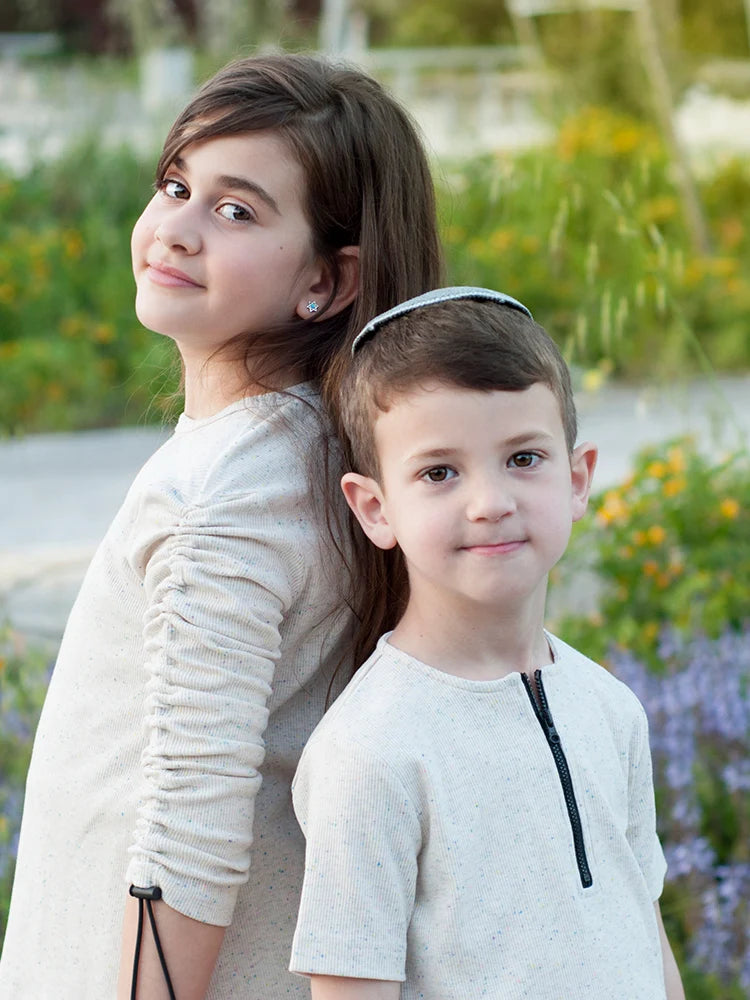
[(587, 229), (699, 717), (24, 674), (669, 549)]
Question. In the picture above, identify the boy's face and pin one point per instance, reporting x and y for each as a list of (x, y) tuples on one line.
[(477, 488)]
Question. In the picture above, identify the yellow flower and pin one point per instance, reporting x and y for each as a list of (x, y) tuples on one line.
[(650, 568), (613, 508), (729, 508), (593, 379), (650, 630), (676, 459), (656, 534), (502, 240), (625, 552), (454, 234), (674, 486), (731, 232), (724, 267), (660, 209), (73, 244), (663, 580), (625, 139), (657, 470), (104, 333), (639, 537)]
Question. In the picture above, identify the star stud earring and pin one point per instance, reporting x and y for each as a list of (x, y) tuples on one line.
[(312, 307)]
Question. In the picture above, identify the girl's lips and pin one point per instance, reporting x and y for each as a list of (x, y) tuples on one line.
[(171, 277)]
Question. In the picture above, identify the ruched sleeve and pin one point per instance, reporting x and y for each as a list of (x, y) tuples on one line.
[(217, 586)]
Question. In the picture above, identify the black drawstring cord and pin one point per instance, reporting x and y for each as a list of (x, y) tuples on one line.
[(147, 896)]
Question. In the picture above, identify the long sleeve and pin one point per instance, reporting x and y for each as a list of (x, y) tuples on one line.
[(215, 601), (197, 657)]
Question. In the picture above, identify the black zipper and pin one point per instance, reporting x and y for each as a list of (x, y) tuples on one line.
[(543, 714)]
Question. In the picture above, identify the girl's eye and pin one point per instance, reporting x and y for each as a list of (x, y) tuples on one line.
[(524, 460), (438, 474), (235, 213), (174, 189)]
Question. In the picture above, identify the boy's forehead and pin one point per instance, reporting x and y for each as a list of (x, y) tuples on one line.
[(435, 408)]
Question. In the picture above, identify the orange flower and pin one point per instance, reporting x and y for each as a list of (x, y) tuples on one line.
[(674, 486), (729, 508), (657, 470), (656, 534)]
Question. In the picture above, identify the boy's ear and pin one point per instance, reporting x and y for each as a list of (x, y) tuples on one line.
[(366, 501), (582, 465), (322, 289)]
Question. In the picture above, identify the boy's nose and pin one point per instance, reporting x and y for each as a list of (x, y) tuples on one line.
[(489, 500), (178, 232)]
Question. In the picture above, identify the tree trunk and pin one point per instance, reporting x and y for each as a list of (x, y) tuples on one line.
[(662, 92)]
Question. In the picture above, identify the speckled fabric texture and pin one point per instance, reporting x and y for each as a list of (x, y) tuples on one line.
[(195, 661), (439, 846)]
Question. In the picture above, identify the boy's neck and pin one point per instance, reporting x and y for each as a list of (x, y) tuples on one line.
[(479, 644)]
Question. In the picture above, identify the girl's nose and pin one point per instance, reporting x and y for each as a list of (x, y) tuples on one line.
[(179, 232)]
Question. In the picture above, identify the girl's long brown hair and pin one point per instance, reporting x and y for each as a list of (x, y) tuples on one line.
[(368, 185)]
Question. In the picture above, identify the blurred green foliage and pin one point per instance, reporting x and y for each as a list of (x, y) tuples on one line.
[(667, 547), (72, 352), (587, 230)]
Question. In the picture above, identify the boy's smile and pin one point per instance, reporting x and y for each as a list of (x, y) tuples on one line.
[(479, 491)]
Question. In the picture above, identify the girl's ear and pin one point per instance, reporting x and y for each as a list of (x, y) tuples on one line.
[(321, 290), (582, 465), (366, 501)]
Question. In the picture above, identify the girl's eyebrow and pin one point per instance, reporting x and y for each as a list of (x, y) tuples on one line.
[(238, 183), (243, 184)]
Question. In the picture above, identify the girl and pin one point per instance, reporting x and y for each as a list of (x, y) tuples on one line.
[(293, 202)]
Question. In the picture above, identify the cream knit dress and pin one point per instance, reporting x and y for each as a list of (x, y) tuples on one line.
[(196, 660)]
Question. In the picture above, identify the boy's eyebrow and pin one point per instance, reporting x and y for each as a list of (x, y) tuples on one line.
[(430, 453), (525, 437), (239, 183), (518, 440)]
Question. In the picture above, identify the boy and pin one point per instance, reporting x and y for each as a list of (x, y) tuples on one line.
[(478, 803)]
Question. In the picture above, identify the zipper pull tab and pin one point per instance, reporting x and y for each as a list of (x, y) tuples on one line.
[(551, 730)]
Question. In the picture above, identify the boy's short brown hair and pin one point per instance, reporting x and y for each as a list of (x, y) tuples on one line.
[(481, 345)]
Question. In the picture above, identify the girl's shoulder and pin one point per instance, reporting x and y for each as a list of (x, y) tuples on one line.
[(255, 444)]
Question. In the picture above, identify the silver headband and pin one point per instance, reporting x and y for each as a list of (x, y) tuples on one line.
[(432, 298)]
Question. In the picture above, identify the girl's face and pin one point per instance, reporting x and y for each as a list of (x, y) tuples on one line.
[(224, 247)]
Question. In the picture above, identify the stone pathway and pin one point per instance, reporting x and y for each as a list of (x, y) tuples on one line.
[(58, 492)]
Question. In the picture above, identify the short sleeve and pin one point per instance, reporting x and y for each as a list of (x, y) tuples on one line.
[(363, 838), (217, 588), (641, 830)]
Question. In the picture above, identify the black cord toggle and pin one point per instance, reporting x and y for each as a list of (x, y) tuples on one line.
[(147, 895)]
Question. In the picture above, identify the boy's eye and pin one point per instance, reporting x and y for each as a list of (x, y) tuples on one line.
[(524, 460), (235, 213), (438, 474), (174, 189)]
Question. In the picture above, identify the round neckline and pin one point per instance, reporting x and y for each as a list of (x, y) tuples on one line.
[(513, 677), (258, 405)]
